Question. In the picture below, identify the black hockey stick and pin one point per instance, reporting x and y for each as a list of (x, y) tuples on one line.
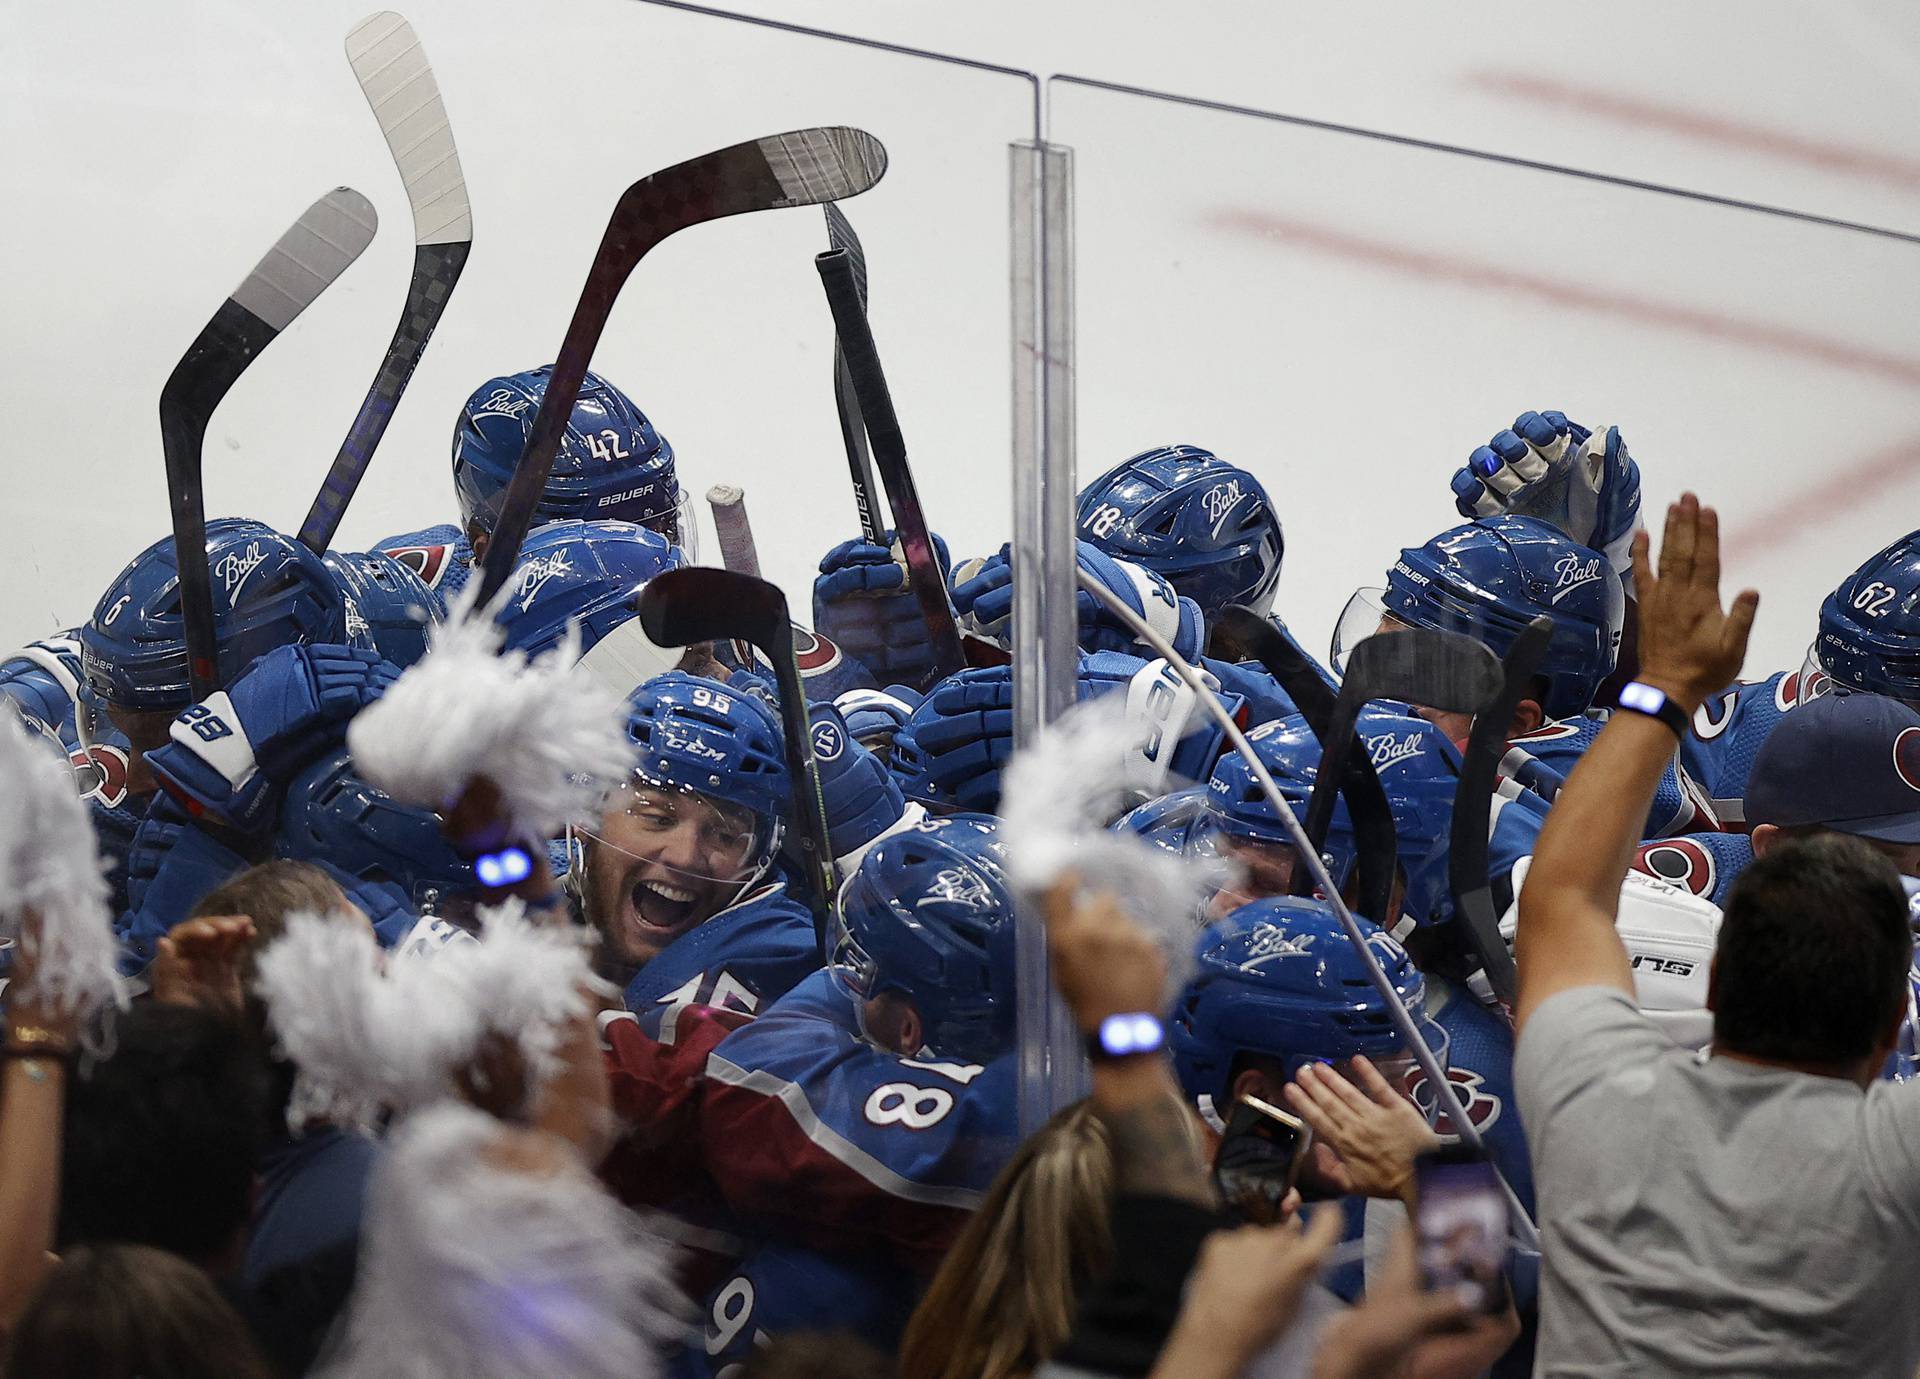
[(1244, 635), (853, 428), (801, 168), (399, 85), (1468, 843), (870, 390), (314, 251), (701, 604), (1439, 670)]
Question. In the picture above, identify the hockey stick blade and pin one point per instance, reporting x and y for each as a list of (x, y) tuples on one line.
[(1468, 842), (1242, 634), (398, 83), (870, 390), (1438, 670), (853, 431), (303, 262), (701, 604), (802, 168)]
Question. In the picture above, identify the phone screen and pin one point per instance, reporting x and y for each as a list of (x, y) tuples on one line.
[(1461, 1223), (1259, 1159)]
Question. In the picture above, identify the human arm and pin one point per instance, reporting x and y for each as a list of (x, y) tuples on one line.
[(33, 1082), (1404, 1331), (1243, 1294), (1689, 649), (201, 962), (1376, 1132)]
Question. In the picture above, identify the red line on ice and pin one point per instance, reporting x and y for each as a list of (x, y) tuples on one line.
[(1838, 487), (1838, 159), (1399, 258)]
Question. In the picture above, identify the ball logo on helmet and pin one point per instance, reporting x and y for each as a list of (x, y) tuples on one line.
[(233, 568), (504, 402), (1269, 943), (1570, 572), (1387, 748), (955, 886), (1220, 501), (539, 570), (1906, 757)]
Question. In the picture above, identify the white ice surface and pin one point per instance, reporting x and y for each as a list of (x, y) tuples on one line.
[(1348, 319)]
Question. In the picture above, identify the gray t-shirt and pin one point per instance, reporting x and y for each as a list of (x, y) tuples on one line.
[(1704, 1216)]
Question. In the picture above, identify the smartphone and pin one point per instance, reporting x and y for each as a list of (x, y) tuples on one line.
[(1460, 1225), (1259, 1159)]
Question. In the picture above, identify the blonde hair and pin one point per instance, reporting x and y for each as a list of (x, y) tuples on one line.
[(1005, 1296)]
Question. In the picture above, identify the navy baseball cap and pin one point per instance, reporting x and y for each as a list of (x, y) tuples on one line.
[(1849, 762)]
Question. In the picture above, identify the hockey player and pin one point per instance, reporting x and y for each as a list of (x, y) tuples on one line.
[(863, 1113), (612, 465), (1488, 579), (677, 879), (1278, 986)]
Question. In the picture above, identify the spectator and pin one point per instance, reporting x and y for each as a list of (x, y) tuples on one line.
[(1005, 1295), (1756, 1212), (130, 1312), (34, 1063), (1846, 763)]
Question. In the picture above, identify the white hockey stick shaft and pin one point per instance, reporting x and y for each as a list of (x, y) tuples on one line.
[(737, 551)]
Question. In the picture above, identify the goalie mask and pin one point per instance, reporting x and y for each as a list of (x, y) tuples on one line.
[(696, 825)]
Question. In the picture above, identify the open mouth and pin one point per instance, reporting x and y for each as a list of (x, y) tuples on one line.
[(663, 906)]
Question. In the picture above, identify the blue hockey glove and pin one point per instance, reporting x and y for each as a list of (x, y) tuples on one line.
[(1546, 466), (862, 602), (874, 717), (983, 597), (230, 752), (959, 739), (170, 866), (862, 800)]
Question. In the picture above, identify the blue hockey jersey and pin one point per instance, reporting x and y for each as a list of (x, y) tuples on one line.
[(441, 555), (1680, 805), (1728, 730), (742, 959)]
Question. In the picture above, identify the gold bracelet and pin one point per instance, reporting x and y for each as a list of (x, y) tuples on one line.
[(30, 1039)]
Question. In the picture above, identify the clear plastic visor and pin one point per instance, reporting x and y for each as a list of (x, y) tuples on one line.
[(1401, 1069), (1365, 614), (1257, 870), (676, 831)]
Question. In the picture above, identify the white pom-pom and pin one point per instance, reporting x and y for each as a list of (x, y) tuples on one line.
[(368, 1037), (492, 1252), (50, 865), (1056, 799), (551, 740)]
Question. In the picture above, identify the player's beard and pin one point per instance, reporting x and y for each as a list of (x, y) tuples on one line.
[(642, 907)]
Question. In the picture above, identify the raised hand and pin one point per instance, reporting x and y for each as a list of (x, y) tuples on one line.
[(1689, 647)]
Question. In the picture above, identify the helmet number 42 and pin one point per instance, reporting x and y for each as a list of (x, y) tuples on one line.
[(609, 449)]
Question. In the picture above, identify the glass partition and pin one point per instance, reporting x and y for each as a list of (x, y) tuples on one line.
[(1349, 316)]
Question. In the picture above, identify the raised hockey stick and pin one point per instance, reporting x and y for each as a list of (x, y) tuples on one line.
[(1468, 843), (399, 85), (701, 604), (867, 497), (314, 251), (735, 534), (1243, 634), (801, 168), (875, 401), (1436, 1075)]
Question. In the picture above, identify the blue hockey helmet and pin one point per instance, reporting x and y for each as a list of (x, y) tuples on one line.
[(1489, 579), (1280, 978), (1205, 525), (929, 913), (268, 591), (387, 603), (329, 814), (700, 735), (588, 573), (1869, 637), (1418, 767), (1184, 822), (611, 464)]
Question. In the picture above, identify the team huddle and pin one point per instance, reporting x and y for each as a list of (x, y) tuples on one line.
[(823, 1111)]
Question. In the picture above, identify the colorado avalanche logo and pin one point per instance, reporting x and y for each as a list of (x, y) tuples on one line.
[(1682, 862), (1906, 757), (429, 562), (816, 654), (101, 773), (1482, 1107)]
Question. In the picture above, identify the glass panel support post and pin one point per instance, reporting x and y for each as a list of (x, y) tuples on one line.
[(1045, 658)]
